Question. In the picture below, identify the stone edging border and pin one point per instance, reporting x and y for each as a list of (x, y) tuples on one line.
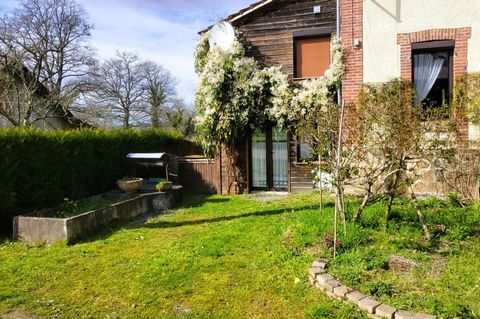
[(320, 279)]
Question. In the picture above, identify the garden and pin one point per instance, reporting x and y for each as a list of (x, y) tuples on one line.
[(247, 256), (409, 238)]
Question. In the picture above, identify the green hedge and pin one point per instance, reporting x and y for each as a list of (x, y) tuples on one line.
[(40, 168)]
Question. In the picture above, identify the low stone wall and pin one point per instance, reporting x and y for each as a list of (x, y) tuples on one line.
[(320, 279), (36, 228)]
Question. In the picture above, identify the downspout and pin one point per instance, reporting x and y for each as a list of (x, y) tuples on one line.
[(339, 91)]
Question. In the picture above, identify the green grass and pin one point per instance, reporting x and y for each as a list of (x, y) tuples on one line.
[(444, 279), (224, 257), (237, 257)]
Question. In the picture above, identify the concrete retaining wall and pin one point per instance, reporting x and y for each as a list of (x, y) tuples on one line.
[(35, 228)]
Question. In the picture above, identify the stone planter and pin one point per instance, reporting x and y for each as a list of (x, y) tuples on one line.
[(130, 185), (38, 227)]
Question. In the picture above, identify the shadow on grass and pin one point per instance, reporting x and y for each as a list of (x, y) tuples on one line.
[(142, 222), (191, 201), (168, 224)]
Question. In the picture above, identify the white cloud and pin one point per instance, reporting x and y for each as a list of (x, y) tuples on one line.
[(164, 31)]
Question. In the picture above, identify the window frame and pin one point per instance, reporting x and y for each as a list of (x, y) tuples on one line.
[(325, 32), (299, 159), (433, 47)]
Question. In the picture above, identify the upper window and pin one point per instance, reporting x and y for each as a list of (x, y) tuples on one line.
[(432, 72), (312, 56)]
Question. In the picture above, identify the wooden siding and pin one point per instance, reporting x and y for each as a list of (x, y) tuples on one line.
[(300, 173), (269, 35), (198, 176), (270, 30)]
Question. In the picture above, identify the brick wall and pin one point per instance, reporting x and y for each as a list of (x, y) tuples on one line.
[(352, 29), (460, 57)]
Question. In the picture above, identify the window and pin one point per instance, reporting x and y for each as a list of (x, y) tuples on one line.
[(305, 152), (312, 56), (432, 72)]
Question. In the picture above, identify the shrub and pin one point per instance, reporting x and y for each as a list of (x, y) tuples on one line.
[(40, 168)]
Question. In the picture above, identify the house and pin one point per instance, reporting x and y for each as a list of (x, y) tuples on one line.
[(383, 40), (18, 87)]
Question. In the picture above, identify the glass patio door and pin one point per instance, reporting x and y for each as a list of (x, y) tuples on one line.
[(259, 159), (280, 158), (269, 159)]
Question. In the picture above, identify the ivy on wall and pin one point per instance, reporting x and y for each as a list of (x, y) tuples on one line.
[(466, 97)]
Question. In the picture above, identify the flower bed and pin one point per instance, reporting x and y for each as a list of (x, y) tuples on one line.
[(44, 226)]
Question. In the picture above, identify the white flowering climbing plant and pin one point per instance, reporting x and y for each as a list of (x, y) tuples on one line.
[(234, 93)]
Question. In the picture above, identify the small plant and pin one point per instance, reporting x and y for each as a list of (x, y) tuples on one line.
[(454, 200), (67, 208), (163, 186), (381, 289), (320, 312), (329, 242)]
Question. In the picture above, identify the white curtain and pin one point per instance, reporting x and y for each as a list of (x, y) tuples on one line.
[(280, 158), (426, 68), (259, 160)]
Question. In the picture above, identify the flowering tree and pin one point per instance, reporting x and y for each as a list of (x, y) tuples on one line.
[(233, 92)]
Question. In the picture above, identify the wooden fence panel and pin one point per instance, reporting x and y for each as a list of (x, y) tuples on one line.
[(198, 176)]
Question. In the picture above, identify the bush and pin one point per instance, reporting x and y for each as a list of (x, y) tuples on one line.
[(40, 168)]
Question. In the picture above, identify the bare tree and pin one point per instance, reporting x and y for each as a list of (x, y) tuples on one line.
[(403, 145), (118, 85), (159, 89), (130, 91), (51, 39)]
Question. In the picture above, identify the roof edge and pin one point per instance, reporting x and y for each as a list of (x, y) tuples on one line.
[(241, 13)]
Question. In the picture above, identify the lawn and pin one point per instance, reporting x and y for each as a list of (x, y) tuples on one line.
[(242, 257), (223, 257)]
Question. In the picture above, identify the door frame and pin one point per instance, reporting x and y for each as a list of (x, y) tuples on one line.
[(269, 160)]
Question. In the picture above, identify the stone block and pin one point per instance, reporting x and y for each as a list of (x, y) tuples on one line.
[(401, 314), (385, 311), (368, 304), (312, 280), (424, 316), (322, 278), (314, 271), (329, 285), (355, 296), (341, 291), (322, 263)]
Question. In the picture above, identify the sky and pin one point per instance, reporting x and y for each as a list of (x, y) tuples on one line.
[(164, 31)]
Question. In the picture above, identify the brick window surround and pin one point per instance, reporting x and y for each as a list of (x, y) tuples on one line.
[(460, 54)]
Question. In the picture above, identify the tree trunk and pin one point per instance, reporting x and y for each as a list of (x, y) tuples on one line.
[(155, 116), (338, 162), (363, 204), (342, 211), (421, 218), (391, 196)]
